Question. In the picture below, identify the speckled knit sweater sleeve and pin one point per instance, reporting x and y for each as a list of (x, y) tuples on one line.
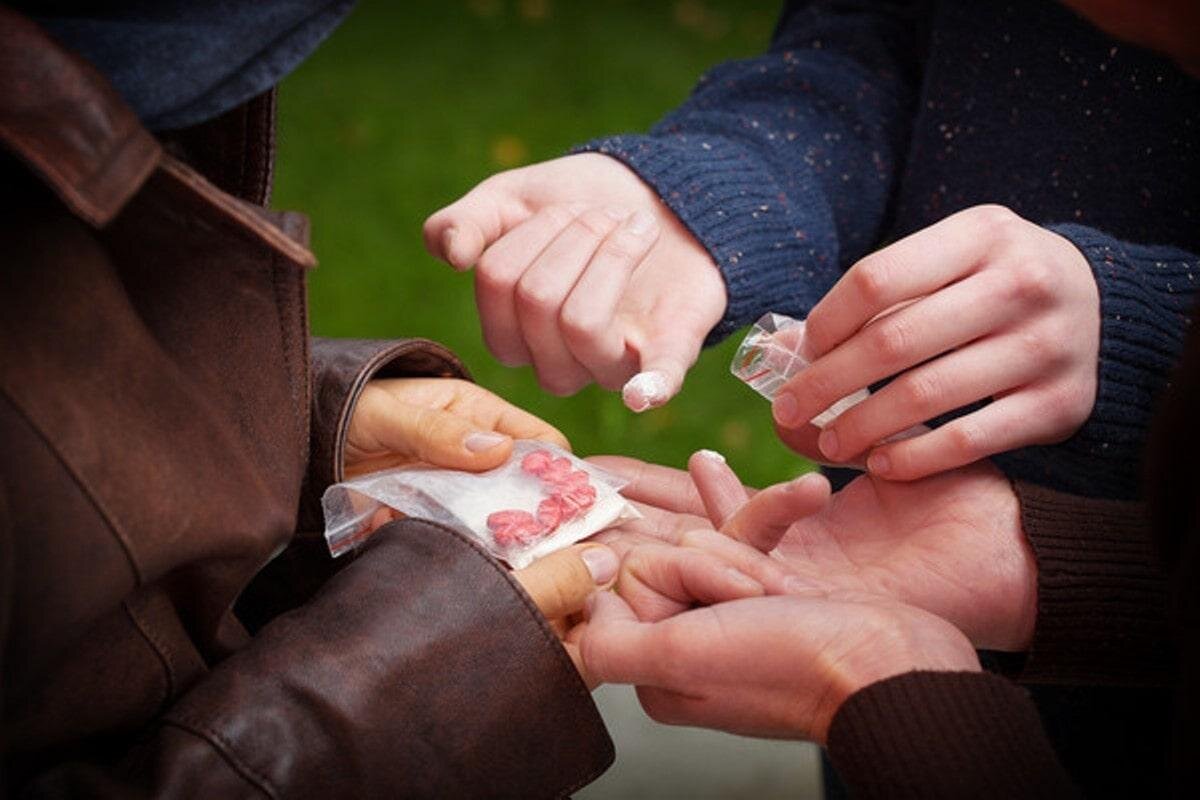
[(783, 165), (1147, 294)]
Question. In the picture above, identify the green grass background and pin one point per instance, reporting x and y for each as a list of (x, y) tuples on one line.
[(410, 104)]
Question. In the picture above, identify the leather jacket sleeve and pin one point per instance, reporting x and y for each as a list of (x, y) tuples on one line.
[(340, 370), (419, 670)]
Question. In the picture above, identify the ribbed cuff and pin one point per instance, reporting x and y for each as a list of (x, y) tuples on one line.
[(1146, 296), (944, 734), (777, 251), (1102, 594)]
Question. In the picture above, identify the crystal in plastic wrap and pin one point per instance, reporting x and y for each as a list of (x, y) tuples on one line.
[(769, 357)]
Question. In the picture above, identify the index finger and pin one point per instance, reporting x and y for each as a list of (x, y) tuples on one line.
[(655, 485), (459, 233), (916, 265)]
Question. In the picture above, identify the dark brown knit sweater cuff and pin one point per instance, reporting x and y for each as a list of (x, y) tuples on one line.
[(1102, 602), (944, 734)]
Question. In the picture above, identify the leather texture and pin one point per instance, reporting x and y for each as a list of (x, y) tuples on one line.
[(161, 416)]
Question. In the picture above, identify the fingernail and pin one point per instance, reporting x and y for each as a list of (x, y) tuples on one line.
[(712, 454), (828, 443), (645, 390), (786, 410), (641, 222), (808, 477), (879, 464), (743, 580), (479, 441), (602, 563)]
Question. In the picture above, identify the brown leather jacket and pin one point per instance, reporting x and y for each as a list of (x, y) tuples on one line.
[(161, 408)]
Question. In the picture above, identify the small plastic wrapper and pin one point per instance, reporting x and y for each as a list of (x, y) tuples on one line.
[(769, 357), (539, 501)]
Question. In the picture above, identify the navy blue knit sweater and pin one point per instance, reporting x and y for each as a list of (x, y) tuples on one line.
[(867, 121)]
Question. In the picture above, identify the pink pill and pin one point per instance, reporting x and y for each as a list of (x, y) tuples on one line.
[(550, 512), (535, 463)]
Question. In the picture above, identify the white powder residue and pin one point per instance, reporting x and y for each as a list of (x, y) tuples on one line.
[(645, 390)]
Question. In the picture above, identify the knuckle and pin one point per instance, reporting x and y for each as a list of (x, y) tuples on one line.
[(536, 297), (492, 272), (815, 334), (580, 325), (594, 224), (922, 391), (693, 538), (507, 353), (1035, 347), (621, 247), (429, 429), (1033, 282), (559, 385), (968, 439), (822, 385), (891, 339), (993, 217), (871, 278), (559, 216)]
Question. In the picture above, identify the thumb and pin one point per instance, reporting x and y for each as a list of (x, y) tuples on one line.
[(432, 435), (664, 363), (560, 583)]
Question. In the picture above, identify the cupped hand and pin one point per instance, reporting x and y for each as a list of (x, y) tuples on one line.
[(951, 544), (582, 271), (775, 667), (443, 422), (982, 305)]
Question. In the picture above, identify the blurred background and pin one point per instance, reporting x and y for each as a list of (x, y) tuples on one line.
[(408, 106)]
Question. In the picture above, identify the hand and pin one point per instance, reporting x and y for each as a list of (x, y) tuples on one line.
[(951, 544), (766, 666), (445, 422), (583, 272), (981, 305), (560, 584)]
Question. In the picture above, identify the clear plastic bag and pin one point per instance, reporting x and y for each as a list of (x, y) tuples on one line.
[(770, 356), (541, 500)]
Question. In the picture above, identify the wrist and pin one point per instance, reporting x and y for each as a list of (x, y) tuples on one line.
[(1009, 626), (893, 644)]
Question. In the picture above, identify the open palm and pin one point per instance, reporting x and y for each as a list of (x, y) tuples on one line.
[(951, 544)]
